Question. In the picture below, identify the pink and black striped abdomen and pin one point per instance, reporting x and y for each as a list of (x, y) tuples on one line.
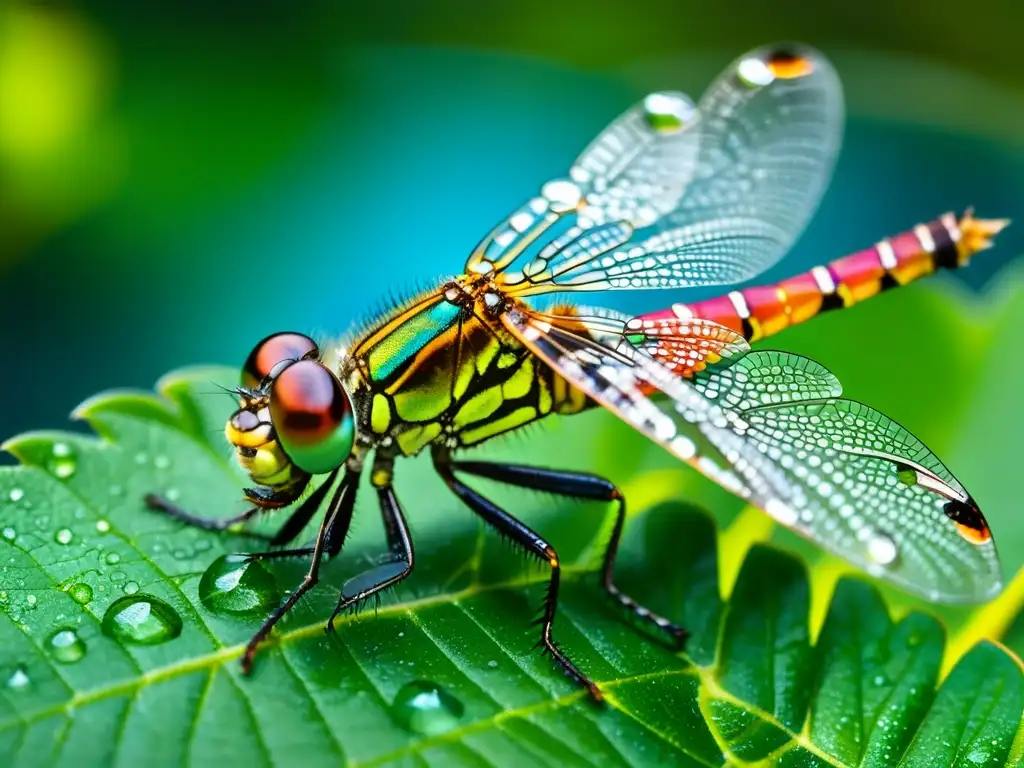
[(764, 310)]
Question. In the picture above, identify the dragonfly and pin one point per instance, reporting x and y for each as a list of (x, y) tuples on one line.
[(673, 194)]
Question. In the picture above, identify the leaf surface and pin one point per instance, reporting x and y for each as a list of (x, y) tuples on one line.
[(759, 683)]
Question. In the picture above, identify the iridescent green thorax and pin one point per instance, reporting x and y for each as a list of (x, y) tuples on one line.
[(444, 370)]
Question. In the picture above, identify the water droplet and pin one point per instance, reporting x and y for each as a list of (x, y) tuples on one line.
[(112, 558), (142, 620), (882, 548), (102, 526), (172, 494), (80, 593), (161, 462), (426, 708), (131, 588), (492, 664), (906, 474), (10, 534), (66, 646), (978, 756), (19, 679), (880, 680), (31, 601), (238, 585), (64, 463), (668, 112), (16, 495), (63, 536), (117, 576)]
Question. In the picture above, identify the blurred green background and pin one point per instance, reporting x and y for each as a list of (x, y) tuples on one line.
[(177, 182)]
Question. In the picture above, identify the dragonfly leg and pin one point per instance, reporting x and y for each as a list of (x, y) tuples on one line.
[(386, 574), (517, 532), (579, 485), (264, 501), (342, 500)]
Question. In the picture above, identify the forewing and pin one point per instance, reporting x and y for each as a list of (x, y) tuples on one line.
[(772, 427), (723, 202)]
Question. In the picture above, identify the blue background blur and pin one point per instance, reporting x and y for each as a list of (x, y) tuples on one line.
[(175, 184)]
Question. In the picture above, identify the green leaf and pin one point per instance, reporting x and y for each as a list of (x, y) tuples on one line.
[(759, 681)]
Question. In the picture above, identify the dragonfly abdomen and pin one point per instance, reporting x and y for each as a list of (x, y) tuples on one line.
[(761, 311)]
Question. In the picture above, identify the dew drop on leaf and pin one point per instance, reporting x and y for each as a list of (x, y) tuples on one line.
[(102, 526), (131, 588), (141, 620), (16, 495), (112, 558), (426, 708), (10, 534), (63, 462), (978, 756), (238, 585), (492, 664), (81, 593), (19, 679), (66, 646), (30, 601), (63, 536)]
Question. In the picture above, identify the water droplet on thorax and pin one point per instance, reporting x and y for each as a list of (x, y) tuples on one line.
[(426, 708), (142, 620), (66, 646), (238, 585)]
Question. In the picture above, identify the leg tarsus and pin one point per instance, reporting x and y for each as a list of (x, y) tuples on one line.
[(160, 504), (372, 582)]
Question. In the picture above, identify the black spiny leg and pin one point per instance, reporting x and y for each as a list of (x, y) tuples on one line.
[(517, 532), (578, 485), (339, 502), (294, 524), (386, 574), (263, 500)]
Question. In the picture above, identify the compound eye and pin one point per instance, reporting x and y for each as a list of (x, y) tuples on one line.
[(271, 352), (312, 416)]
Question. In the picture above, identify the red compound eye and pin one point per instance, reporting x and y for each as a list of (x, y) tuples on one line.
[(312, 416), (274, 350)]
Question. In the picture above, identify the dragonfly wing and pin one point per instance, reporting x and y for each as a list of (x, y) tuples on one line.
[(721, 202), (852, 479), (772, 427)]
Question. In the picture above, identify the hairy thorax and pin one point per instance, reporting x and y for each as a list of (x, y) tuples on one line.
[(442, 368)]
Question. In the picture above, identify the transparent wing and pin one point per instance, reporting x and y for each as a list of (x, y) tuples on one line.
[(705, 196), (682, 345), (772, 427)]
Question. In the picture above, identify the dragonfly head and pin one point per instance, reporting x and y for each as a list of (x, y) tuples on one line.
[(293, 413)]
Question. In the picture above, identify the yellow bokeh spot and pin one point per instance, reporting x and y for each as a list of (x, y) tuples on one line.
[(53, 75)]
